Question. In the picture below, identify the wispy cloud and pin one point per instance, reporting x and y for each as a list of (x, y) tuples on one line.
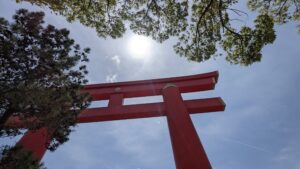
[(252, 146), (116, 59), (111, 78), (288, 155)]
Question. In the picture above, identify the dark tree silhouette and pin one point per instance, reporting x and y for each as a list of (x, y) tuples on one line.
[(40, 76)]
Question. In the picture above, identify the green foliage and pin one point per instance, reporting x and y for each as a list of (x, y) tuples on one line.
[(104, 16), (198, 42), (18, 158), (245, 47), (158, 19), (209, 20), (40, 80), (200, 26), (282, 11)]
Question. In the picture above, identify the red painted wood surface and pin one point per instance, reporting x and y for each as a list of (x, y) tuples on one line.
[(137, 111), (147, 110), (187, 148), (152, 87), (173, 80), (35, 142)]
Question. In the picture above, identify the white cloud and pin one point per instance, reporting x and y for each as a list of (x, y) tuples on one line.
[(116, 59), (111, 78), (287, 156)]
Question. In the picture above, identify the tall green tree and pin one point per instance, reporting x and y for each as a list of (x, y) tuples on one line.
[(41, 73), (201, 26)]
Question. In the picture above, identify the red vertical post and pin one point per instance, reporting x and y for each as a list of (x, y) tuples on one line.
[(187, 148), (35, 142), (115, 100)]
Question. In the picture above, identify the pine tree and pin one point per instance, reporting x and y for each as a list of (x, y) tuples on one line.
[(41, 73)]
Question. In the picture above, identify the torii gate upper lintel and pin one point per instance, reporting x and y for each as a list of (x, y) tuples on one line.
[(187, 148)]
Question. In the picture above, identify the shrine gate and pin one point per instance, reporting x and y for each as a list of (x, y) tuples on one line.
[(187, 148)]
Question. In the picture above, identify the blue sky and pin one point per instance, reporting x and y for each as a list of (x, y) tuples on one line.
[(259, 128)]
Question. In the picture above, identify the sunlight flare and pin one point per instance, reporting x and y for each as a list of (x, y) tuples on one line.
[(139, 47)]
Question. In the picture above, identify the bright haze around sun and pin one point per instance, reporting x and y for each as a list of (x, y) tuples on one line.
[(139, 47)]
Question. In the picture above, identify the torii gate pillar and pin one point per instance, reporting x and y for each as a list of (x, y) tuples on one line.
[(187, 148)]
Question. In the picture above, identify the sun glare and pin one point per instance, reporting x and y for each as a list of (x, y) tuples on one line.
[(139, 47)]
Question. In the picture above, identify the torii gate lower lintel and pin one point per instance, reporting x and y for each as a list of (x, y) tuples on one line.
[(187, 148)]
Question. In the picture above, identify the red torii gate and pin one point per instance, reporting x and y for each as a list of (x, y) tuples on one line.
[(187, 148)]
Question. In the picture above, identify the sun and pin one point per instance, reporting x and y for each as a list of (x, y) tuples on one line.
[(139, 47)]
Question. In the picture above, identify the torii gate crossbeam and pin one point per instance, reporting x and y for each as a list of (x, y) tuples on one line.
[(187, 148)]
